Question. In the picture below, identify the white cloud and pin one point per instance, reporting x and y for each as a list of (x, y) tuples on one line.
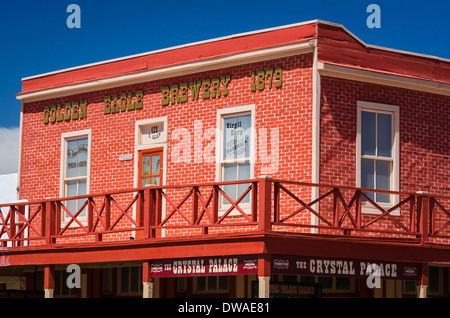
[(9, 150)]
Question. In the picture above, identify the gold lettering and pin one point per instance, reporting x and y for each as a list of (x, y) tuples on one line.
[(123, 102), (215, 85), (278, 77), (130, 103), (174, 98), (165, 96), (83, 109), (53, 114), (206, 86), (225, 81), (59, 117), (46, 114), (261, 80), (115, 107), (195, 89), (139, 99), (75, 115), (183, 90), (107, 109), (67, 112)]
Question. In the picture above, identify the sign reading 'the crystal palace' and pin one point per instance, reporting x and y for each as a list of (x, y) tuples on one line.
[(316, 266), (205, 266)]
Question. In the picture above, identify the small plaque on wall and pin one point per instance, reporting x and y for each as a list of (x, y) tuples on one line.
[(126, 157), (152, 133)]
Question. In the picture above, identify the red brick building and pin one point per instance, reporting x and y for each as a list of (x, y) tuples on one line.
[(281, 161)]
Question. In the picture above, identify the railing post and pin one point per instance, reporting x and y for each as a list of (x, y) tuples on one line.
[(194, 205), (431, 212), (107, 211), (49, 221), (49, 280), (254, 201), (335, 208), (90, 215), (264, 273), (149, 212), (265, 203), (422, 286), (148, 283), (423, 215), (358, 209), (12, 225), (276, 202)]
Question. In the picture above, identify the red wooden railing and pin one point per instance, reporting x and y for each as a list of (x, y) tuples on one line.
[(206, 209)]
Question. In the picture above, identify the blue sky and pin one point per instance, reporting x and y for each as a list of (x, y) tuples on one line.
[(35, 38)]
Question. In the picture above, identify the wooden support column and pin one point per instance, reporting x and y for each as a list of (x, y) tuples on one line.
[(49, 280), (265, 203), (264, 272), (148, 283), (422, 288)]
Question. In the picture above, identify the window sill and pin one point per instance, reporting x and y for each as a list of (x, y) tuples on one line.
[(370, 209)]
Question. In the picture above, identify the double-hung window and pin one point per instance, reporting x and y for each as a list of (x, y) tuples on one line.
[(377, 151), (75, 171), (235, 155)]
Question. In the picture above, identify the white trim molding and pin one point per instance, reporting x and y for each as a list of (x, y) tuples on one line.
[(171, 71), (383, 79), (395, 172)]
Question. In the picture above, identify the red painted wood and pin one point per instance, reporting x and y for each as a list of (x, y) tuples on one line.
[(173, 57), (339, 48)]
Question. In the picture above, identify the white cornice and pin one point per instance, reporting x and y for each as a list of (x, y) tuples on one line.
[(171, 71), (383, 79)]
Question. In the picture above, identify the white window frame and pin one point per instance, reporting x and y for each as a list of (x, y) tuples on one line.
[(138, 146), (230, 112), (395, 174), (64, 138)]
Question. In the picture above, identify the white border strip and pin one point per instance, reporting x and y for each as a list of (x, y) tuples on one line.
[(383, 79), (171, 71)]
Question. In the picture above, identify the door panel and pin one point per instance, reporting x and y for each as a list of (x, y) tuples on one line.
[(150, 173)]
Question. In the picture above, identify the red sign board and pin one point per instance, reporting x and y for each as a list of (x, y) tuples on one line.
[(205, 266), (317, 266)]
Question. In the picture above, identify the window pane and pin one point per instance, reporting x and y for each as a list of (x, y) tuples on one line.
[(155, 164), (368, 176), (223, 282), (81, 191), (244, 174), (134, 279), (71, 188), (343, 283), (326, 282), (212, 283), (145, 165), (145, 181), (368, 129), (76, 157), (124, 279), (236, 142), (201, 283), (155, 181), (230, 174), (433, 279), (384, 135), (383, 180), (71, 205)]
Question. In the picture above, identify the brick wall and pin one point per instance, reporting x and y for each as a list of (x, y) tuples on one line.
[(287, 109), (424, 135)]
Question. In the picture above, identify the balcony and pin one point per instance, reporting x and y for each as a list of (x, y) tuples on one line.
[(195, 216)]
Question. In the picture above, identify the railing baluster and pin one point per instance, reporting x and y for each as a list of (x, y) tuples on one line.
[(254, 196), (265, 202), (12, 225)]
